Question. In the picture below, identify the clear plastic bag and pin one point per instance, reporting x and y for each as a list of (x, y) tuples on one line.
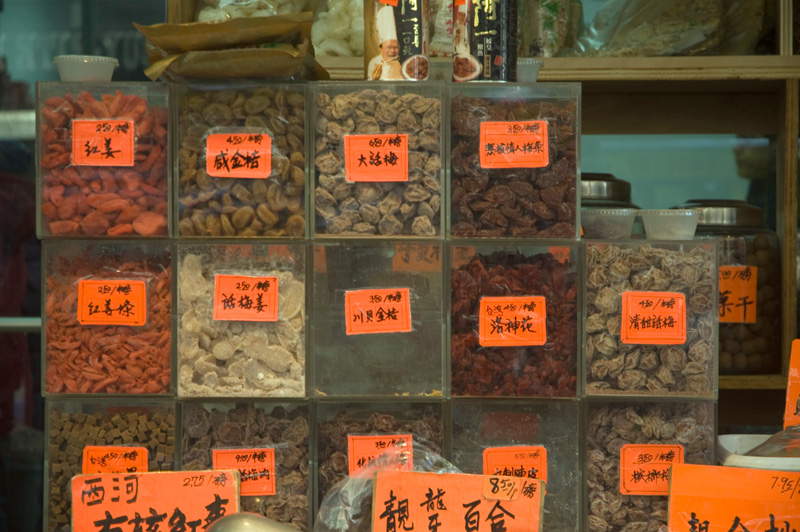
[(653, 28), (783, 444), (222, 10), (545, 28)]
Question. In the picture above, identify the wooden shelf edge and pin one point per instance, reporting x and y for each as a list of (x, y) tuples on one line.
[(752, 382)]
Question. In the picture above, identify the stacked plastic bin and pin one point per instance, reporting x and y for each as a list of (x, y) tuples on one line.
[(103, 192)]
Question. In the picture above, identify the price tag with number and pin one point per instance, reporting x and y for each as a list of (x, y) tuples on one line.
[(256, 468), (644, 468), (242, 155), (112, 302), (379, 310), (114, 459), (103, 142), (525, 461), (386, 451), (514, 144), (512, 321), (737, 294), (245, 298), (376, 158), (653, 318)]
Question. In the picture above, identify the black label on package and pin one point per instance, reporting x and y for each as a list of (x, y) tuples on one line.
[(485, 40)]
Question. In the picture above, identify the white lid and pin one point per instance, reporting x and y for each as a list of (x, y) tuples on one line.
[(85, 59)]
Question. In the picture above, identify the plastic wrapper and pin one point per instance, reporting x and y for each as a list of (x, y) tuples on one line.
[(276, 47), (226, 134), (225, 348), (347, 505), (440, 23), (339, 29), (744, 20), (284, 428), (103, 160), (545, 28), (222, 10), (653, 28), (785, 443), (107, 318)]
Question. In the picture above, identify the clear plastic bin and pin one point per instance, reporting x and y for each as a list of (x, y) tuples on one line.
[(107, 317), (71, 425), (514, 319), (514, 160), (377, 324), (103, 151), (651, 318), (478, 426), (241, 165), (378, 159), (282, 428)]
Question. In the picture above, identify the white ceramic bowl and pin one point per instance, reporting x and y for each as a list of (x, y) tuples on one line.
[(607, 223), (670, 224), (85, 67)]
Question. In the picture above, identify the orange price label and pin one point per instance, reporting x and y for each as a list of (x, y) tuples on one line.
[(389, 2), (791, 416), (114, 459), (737, 294), (245, 155), (376, 158), (524, 461), (256, 468), (111, 501), (653, 318), (243, 298), (377, 310), (725, 499), (644, 468), (417, 258), (112, 302), (103, 142), (512, 320), (387, 451), (456, 502), (514, 144)]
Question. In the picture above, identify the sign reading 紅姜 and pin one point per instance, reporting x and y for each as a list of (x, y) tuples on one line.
[(733, 499), (129, 502), (512, 321), (737, 294), (377, 310), (416, 501), (386, 451), (244, 155), (514, 144), (644, 468), (524, 461), (653, 318), (256, 468), (376, 158), (103, 142), (245, 298), (114, 459), (112, 302)]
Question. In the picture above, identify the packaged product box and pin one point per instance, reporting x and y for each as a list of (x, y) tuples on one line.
[(514, 160), (241, 320), (107, 317), (396, 40), (101, 436), (378, 159), (651, 318), (377, 319), (535, 439), (241, 165), (485, 40), (268, 443), (628, 450), (353, 435), (514, 319), (103, 152)]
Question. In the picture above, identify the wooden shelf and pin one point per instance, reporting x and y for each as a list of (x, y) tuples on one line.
[(752, 382)]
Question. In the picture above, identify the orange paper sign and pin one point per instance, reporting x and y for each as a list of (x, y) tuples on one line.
[(112, 302), (653, 318), (376, 158), (247, 155), (514, 144), (378, 310), (243, 298), (126, 502), (389, 2), (417, 258), (256, 468), (733, 499), (387, 451), (513, 320), (791, 416), (644, 468), (103, 142), (410, 500), (525, 461), (737, 294), (114, 459)]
